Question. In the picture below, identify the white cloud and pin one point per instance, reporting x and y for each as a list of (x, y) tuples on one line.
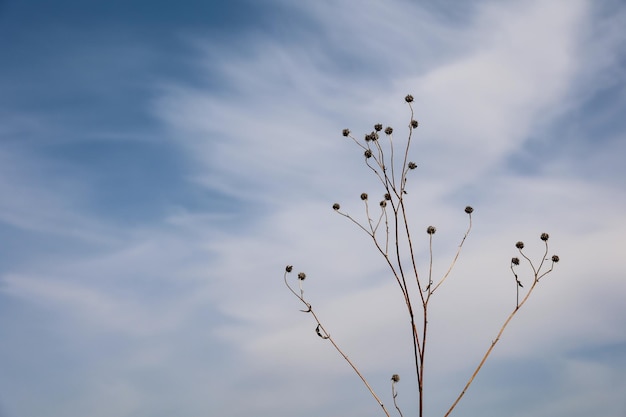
[(271, 139), (476, 109)]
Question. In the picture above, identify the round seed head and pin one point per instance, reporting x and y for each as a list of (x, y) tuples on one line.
[(383, 203), (378, 127), (389, 130), (545, 237), (519, 245), (555, 258), (364, 196), (515, 261), (301, 276), (431, 230), (469, 209), (345, 132), (368, 153), (289, 268), (336, 206), (408, 98), (414, 124), (412, 165), (387, 196), (395, 377)]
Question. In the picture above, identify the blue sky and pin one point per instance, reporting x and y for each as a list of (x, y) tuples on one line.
[(161, 163)]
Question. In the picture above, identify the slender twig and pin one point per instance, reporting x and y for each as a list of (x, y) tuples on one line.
[(323, 333), (458, 251), (394, 394), (430, 263)]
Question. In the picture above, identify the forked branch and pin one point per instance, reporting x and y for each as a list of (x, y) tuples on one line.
[(537, 275)]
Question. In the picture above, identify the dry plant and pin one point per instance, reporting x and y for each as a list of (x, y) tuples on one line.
[(388, 228)]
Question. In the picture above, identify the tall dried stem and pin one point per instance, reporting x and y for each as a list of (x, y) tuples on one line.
[(397, 247)]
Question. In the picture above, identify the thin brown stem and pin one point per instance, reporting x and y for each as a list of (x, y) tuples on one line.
[(323, 333), (394, 394), (458, 252), (486, 355)]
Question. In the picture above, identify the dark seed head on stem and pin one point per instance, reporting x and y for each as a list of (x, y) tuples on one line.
[(336, 206), (519, 245), (388, 130), (408, 98), (431, 230), (345, 132), (545, 237), (395, 377), (469, 209), (412, 165), (301, 276), (378, 127), (555, 258), (515, 261), (289, 268), (364, 196), (414, 124)]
